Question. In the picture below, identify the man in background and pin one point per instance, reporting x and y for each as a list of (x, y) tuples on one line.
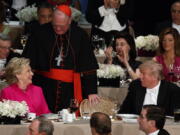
[(151, 120), (100, 124), (41, 126), (175, 19)]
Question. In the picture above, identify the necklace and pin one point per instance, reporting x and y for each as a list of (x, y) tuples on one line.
[(61, 56)]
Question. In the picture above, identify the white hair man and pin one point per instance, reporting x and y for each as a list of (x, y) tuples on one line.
[(150, 89)]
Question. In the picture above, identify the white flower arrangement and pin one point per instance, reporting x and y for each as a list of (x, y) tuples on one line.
[(76, 14), (149, 42), (110, 71), (27, 14), (13, 108)]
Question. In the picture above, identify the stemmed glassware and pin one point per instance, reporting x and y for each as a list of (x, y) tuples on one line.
[(116, 109), (8, 15), (171, 72), (74, 105), (95, 42), (23, 40)]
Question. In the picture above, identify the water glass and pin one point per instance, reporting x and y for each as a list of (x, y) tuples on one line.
[(177, 115)]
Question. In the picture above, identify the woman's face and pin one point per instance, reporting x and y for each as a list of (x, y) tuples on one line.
[(122, 46), (26, 75), (168, 42), (45, 15)]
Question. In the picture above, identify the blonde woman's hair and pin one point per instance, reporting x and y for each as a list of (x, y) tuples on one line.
[(14, 67), (154, 67)]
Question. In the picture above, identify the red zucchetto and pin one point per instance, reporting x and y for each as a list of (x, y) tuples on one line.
[(65, 9)]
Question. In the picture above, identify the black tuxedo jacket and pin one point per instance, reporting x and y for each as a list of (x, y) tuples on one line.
[(162, 25), (168, 97), (163, 132)]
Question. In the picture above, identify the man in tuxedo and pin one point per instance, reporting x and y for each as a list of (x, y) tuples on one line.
[(175, 19), (152, 120), (6, 52), (150, 89)]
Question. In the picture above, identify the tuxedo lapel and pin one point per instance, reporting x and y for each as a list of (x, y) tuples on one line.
[(161, 94), (140, 98)]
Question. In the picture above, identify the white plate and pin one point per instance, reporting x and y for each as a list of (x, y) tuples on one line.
[(128, 116), (130, 120), (15, 23), (169, 117), (51, 116)]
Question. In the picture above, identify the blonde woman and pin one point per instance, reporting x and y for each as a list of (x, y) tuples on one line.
[(19, 77)]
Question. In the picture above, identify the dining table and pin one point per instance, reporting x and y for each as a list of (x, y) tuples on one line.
[(82, 127)]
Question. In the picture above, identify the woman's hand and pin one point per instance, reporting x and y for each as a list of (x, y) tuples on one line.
[(124, 57), (108, 53)]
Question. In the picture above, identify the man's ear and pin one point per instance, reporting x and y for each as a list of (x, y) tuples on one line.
[(153, 123)]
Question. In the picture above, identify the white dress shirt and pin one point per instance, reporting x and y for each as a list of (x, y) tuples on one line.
[(154, 133), (152, 95), (18, 4), (2, 63), (110, 21), (177, 27)]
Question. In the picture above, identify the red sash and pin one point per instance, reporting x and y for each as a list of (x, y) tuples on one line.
[(66, 76)]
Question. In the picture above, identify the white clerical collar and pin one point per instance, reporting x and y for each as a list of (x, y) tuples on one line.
[(154, 133), (176, 26)]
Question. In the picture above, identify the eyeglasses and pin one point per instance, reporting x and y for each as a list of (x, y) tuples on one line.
[(175, 11), (3, 47)]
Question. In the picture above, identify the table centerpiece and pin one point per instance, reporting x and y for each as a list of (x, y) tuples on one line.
[(109, 75), (147, 45), (12, 111)]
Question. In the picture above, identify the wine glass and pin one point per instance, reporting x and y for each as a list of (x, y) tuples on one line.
[(116, 108), (23, 40), (8, 15), (95, 42), (123, 81), (171, 72), (74, 105)]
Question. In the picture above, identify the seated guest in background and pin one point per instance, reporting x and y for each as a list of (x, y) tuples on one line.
[(74, 3), (100, 124), (175, 19), (3, 29), (169, 54), (41, 126), (125, 54), (107, 17), (19, 75), (5, 53), (151, 120), (44, 12), (150, 89)]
